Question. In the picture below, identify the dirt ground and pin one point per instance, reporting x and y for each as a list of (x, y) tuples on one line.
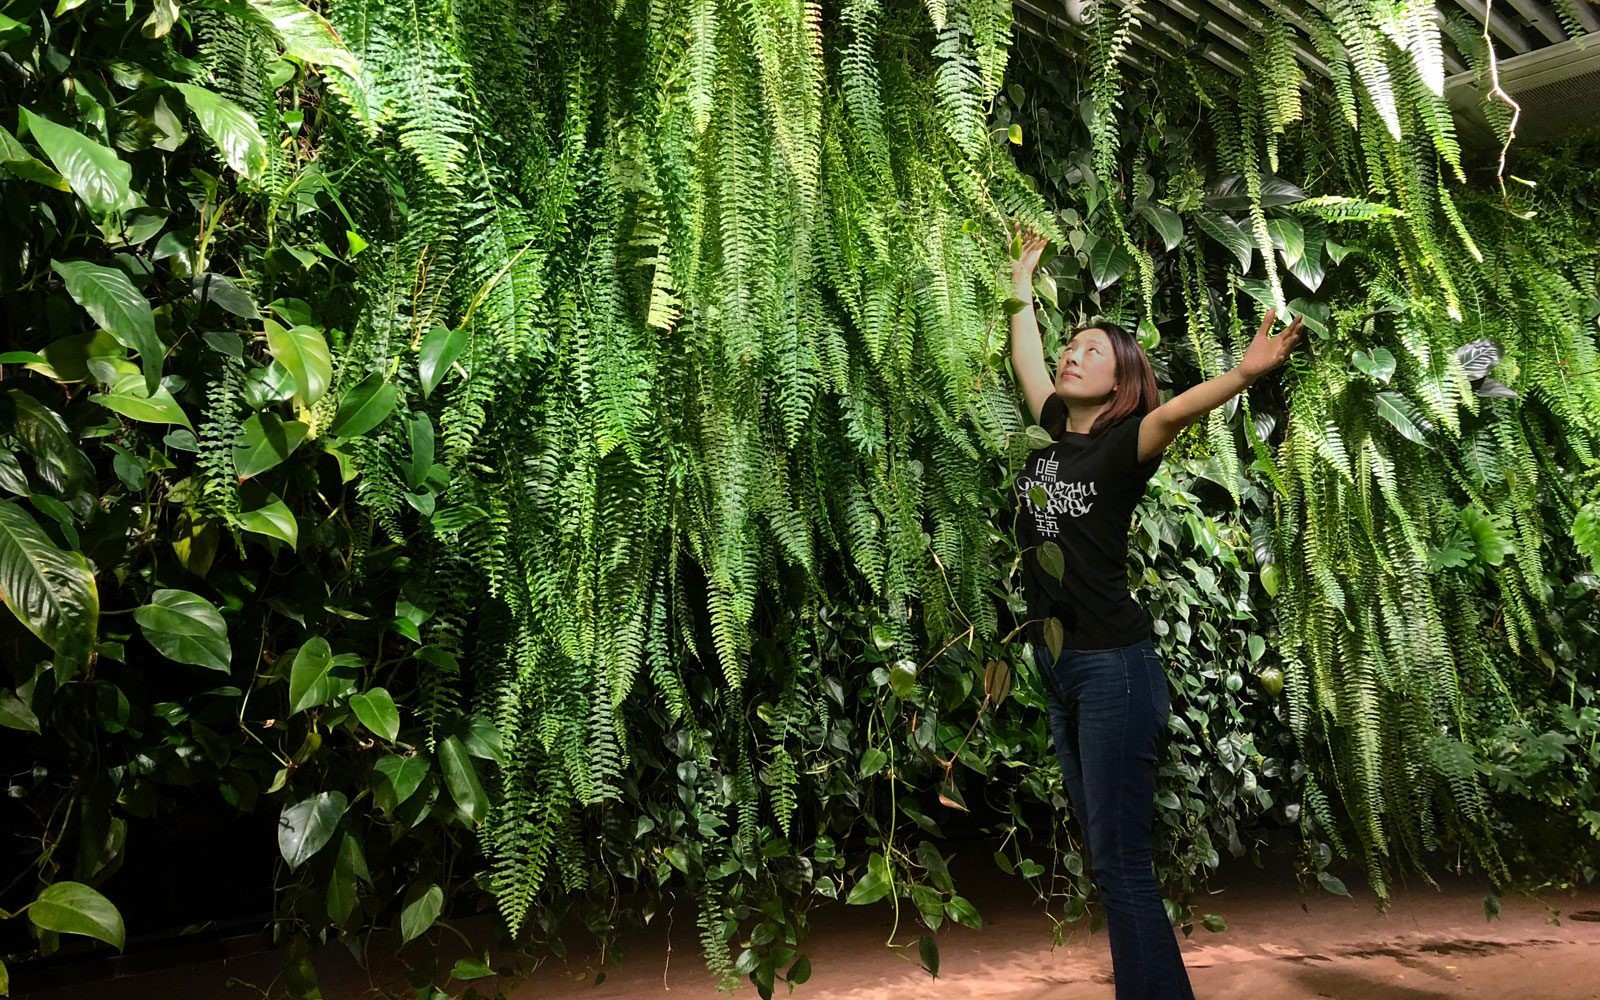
[(1432, 944)]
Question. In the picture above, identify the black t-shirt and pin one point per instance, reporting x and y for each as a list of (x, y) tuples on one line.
[(1093, 482)]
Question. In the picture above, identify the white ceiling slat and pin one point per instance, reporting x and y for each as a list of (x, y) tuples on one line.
[(1308, 56), (1542, 18), (1499, 25), (1061, 24)]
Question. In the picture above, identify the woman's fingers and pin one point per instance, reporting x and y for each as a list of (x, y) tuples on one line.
[(1266, 323)]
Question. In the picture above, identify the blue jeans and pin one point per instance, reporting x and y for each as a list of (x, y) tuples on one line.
[(1108, 715)]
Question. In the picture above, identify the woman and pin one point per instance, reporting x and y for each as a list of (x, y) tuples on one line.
[(1107, 693)]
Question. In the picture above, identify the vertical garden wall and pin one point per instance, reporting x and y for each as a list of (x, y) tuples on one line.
[(546, 454)]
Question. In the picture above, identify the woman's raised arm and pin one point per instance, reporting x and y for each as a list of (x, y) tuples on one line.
[(1027, 348)]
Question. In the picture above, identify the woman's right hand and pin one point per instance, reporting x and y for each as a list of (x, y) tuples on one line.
[(1032, 249)]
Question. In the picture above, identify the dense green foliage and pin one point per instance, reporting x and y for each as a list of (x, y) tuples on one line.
[(539, 451)]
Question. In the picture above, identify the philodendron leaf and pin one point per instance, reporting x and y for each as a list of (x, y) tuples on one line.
[(275, 520), (74, 908), (97, 175), (423, 903), (309, 682), (1379, 365), (461, 777), (51, 590), (304, 351), (305, 827), (440, 349), (187, 628), (376, 710), (264, 441), (231, 127), (364, 406), (110, 299)]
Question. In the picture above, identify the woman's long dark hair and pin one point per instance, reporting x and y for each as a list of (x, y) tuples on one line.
[(1136, 382)]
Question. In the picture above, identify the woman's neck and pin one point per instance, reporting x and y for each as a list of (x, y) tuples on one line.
[(1081, 416)]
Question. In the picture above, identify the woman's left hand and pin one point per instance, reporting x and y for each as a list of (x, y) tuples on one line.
[(1267, 352)]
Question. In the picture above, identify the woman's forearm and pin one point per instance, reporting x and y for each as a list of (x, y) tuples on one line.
[(1190, 405)]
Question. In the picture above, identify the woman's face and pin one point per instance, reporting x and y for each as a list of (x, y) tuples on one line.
[(1087, 369)]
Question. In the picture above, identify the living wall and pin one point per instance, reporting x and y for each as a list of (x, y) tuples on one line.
[(548, 454)]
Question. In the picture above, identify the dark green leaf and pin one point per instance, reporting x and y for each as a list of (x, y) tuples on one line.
[(440, 349), (118, 307), (377, 712), (364, 406), (265, 441), (186, 628), (1109, 260), (1165, 221), (397, 778), (461, 777), (928, 950), (1403, 415), (275, 520), (1230, 234), (51, 591), (304, 352), (1052, 560)]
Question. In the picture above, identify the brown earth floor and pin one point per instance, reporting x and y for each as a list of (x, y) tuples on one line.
[(1432, 944)]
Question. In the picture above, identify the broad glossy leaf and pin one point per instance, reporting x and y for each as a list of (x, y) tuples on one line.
[(128, 397), (440, 349), (187, 628), (264, 442), (376, 710), (304, 351), (1404, 416), (14, 156), (461, 777), (396, 779), (95, 172), (423, 903), (1165, 222), (364, 406), (1288, 236), (1109, 260), (228, 296), (1051, 559), (1232, 194), (57, 459), (1037, 437), (309, 682), (52, 591), (1380, 364), (16, 713), (74, 908), (275, 520), (1230, 234), (420, 431), (305, 827), (119, 308), (231, 127)]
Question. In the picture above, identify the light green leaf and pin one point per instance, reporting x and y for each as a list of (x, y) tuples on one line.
[(377, 712), (74, 908), (1380, 364), (423, 903), (275, 520), (874, 885), (1404, 416), (1037, 437), (304, 351), (440, 349), (1288, 236), (51, 591), (872, 762), (461, 777), (1055, 637), (118, 307), (95, 172), (472, 968), (231, 127), (264, 442), (305, 827), (187, 628), (14, 156), (309, 682), (364, 406), (129, 398)]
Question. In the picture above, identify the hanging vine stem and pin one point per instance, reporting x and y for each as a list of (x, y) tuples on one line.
[(1495, 90)]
